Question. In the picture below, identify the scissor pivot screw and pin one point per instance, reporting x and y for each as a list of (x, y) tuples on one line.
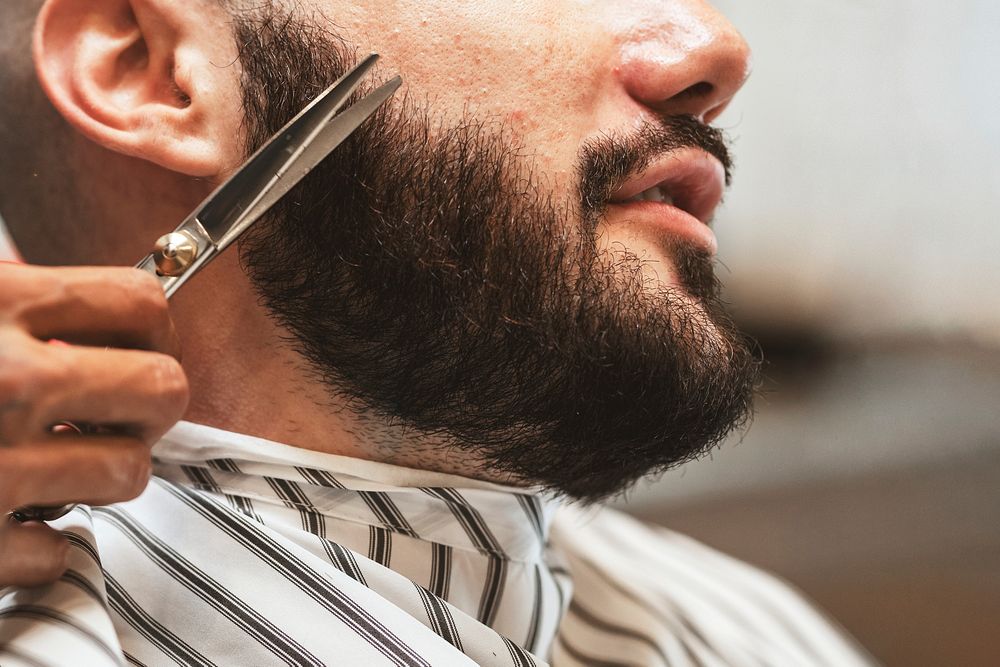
[(174, 253)]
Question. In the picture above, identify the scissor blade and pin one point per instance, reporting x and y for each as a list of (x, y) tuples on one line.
[(326, 139), (227, 212)]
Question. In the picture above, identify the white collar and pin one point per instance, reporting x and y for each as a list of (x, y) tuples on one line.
[(191, 442)]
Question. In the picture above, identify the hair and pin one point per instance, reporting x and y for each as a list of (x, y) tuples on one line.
[(48, 170), (458, 305)]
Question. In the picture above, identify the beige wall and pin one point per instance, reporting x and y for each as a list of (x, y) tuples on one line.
[(867, 184)]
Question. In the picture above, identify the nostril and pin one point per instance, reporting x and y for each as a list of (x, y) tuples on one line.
[(700, 89), (683, 76)]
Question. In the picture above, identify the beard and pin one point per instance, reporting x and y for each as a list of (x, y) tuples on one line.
[(435, 285)]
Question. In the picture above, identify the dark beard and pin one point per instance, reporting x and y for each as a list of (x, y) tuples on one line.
[(432, 282)]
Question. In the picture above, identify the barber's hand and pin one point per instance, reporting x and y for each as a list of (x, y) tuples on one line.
[(119, 371)]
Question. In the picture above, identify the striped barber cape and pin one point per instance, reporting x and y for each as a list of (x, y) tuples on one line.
[(248, 552)]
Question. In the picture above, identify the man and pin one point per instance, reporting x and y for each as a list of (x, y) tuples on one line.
[(497, 294)]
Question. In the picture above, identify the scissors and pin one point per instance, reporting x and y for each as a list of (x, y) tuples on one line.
[(234, 206)]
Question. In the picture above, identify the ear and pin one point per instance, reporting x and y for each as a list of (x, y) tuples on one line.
[(150, 79)]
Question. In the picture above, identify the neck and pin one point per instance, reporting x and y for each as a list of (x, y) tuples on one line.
[(246, 376)]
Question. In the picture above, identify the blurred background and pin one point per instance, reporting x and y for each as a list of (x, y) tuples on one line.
[(861, 246), (863, 251)]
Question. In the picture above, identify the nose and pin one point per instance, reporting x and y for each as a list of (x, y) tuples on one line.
[(683, 57)]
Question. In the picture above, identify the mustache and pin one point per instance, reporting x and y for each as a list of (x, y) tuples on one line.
[(606, 163)]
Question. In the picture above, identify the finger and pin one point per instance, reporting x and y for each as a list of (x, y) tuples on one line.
[(115, 306), (31, 554), (145, 393), (96, 470)]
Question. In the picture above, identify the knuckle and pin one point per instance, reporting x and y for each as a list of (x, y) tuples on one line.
[(12, 277), (141, 478), (170, 383), (27, 382), (33, 375), (54, 562), (11, 378), (132, 472), (142, 280), (28, 287), (16, 362), (32, 555), (144, 291)]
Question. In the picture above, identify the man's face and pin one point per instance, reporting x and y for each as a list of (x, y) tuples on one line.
[(559, 74), (475, 264)]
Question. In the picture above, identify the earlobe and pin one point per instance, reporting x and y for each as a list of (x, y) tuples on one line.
[(139, 77)]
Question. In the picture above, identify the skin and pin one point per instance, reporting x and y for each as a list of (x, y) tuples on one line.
[(41, 384), (148, 95)]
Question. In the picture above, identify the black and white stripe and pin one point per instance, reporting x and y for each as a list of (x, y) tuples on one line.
[(441, 560), (292, 495), (344, 560), (380, 545), (388, 513), (248, 552), (79, 542), (83, 583), (226, 604), (239, 502), (484, 540), (440, 617), (534, 625), (60, 619), (341, 557), (155, 632), (257, 542)]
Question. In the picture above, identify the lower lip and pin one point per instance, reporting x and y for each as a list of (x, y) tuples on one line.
[(669, 222)]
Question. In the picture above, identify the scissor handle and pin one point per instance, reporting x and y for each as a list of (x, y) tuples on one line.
[(41, 512), (179, 255)]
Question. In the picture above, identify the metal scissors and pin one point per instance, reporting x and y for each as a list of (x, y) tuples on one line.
[(264, 178)]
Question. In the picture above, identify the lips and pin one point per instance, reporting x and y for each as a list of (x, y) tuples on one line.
[(678, 193)]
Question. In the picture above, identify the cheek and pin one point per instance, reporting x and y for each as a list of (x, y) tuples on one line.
[(537, 68)]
